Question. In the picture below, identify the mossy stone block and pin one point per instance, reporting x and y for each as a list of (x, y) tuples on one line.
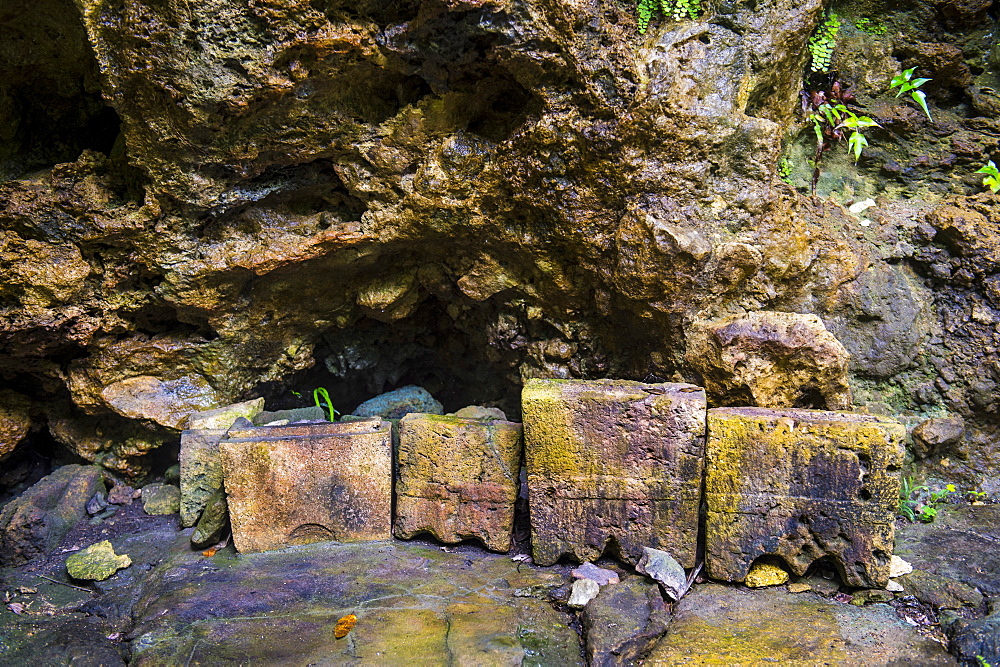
[(97, 562), (223, 418), (800, 485), (457, 479), (613, 462)]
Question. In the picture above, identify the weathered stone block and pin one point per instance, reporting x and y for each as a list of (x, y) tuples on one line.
[(612, 461), (802, 484), (458, 478), (201, 471), (308, 483)]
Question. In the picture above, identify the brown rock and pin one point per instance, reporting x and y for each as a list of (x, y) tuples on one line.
[(938, 435), (15, 421), (165, 401), (327, 482), (458, 479), (801, 484), (613, 462), (770, 359), (33, 524)]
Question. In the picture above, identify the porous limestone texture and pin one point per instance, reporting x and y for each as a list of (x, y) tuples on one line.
[(457, 479), (97, 562), (613, 462), (223, 418), (33, 524), (800, 485), (771, 360), (201, 471), (307, 483)]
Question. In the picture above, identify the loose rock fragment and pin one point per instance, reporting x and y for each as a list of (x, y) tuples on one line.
[(34, 523), (765, 574), (399, 402), (802, 484), (97, 562), (598, 574), (663, 568), (612, 461), (223, 418), (458, 479), (584, 590), (161, 499)]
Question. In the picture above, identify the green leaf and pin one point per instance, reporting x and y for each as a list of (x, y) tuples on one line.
[(856, 144), (921, 99)]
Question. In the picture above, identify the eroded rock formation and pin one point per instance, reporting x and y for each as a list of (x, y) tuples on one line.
[(455, 193)]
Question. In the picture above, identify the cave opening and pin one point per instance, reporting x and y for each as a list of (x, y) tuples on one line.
[(453, 352), (51, 107)]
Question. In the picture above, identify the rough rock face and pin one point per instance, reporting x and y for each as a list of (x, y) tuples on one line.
[(613, 464), (33, 524), (457, 479), (801, 485), (452, 193), (771, 360), (201, 471), (15, 421), (299, 484)]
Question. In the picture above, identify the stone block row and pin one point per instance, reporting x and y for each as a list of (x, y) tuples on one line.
[(612, 466)]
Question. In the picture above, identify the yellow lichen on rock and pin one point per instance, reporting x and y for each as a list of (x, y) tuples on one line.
[(765, 574)]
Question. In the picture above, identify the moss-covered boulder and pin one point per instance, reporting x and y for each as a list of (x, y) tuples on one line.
[(161, 499), (97, 562)]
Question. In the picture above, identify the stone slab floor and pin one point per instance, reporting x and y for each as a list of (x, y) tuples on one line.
[(416, 604)]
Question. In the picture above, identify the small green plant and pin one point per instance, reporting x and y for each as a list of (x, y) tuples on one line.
[(322, 398), (981, 661), (675, 9), (992, 178), (907, 84), (785, 170), (908, 502), (870, 26), (822, 44), (975, 496), (833, 122), (926, 511)]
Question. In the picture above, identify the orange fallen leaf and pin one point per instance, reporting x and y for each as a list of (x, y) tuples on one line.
[(344, 626), (208, 553)]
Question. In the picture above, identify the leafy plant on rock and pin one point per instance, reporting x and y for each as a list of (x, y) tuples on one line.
[(870, 26), (907, 84), (833, 122), (675, 9), (992, 178), (822, 44)]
